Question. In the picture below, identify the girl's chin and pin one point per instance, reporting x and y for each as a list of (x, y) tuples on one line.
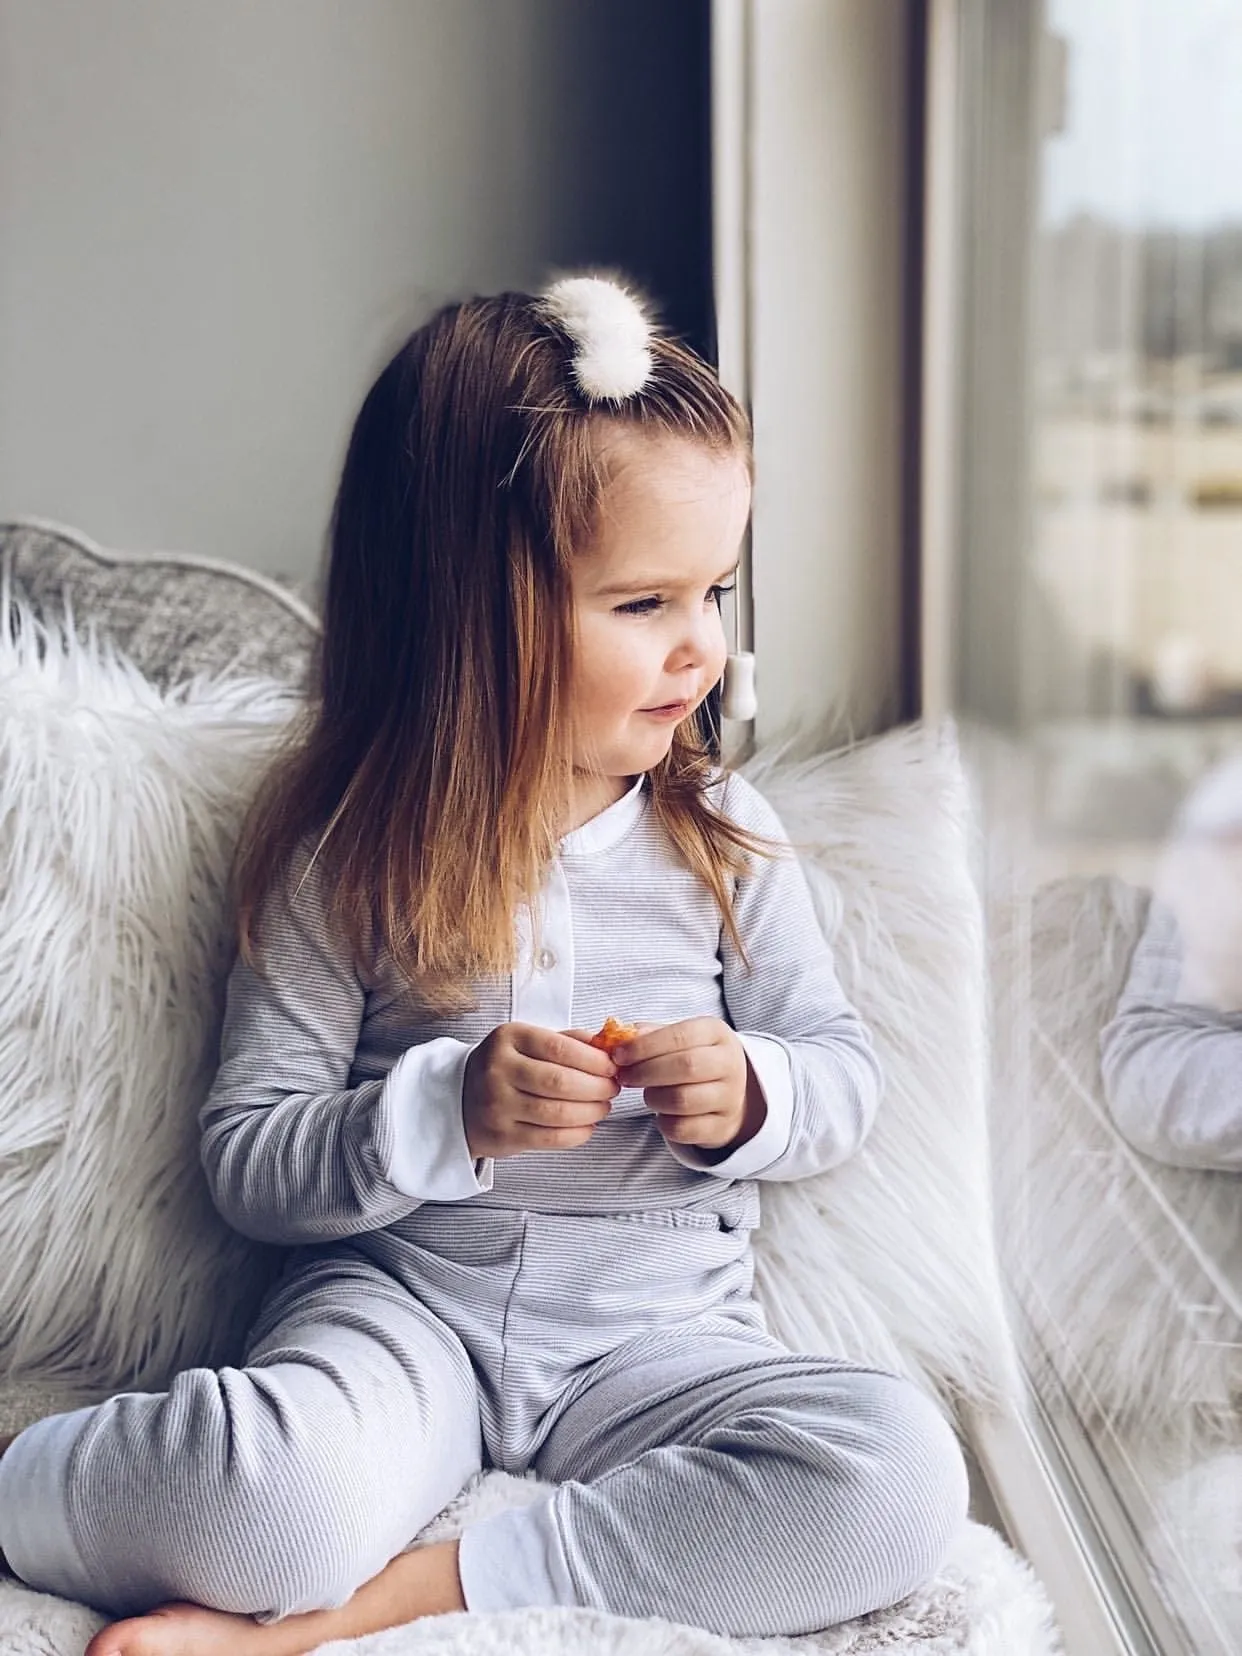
[(635, 751), (650, 752)]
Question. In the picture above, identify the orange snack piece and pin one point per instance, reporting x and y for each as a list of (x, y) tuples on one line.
[(613, 1035)]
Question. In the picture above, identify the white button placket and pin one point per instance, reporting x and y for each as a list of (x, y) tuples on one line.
[(543, 981)]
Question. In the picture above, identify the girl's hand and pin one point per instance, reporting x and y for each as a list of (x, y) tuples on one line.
[(697, 1079), (528, 1088)]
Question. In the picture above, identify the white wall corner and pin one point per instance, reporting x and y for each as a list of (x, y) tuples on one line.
[(825, 256)]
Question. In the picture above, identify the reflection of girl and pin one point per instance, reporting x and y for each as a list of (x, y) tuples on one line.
[(512, 1249), (1172, 1055)]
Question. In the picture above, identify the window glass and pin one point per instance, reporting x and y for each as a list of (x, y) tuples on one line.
[(1098, 670)]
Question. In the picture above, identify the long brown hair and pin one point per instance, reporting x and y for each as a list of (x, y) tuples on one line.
[(433, 761)]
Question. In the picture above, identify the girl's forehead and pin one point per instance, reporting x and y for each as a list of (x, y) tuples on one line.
[(673, 511), (654, 472)]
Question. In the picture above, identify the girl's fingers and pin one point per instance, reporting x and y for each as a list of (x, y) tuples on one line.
[(556, 1113), (689, 1067), (556, 1082), (705, 1131), (564, 1049), (684, 1101), (661, 1040), (534, 1136)]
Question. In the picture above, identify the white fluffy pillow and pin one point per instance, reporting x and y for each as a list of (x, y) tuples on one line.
[(119, 809), (890, 1258)]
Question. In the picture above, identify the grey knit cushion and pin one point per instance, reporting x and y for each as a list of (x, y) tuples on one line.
[(172, 615), (22, 1402)]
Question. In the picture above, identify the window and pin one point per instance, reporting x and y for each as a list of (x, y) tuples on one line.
[(1092, 636)]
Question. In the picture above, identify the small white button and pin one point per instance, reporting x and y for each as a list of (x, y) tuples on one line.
[(545, 960)]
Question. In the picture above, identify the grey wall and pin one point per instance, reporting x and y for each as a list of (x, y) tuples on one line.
[(217, 219)]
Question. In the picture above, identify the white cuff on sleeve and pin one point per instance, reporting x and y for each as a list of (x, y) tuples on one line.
[(431, 1159), (35, 1535), (514, 1560), (770, 1062)]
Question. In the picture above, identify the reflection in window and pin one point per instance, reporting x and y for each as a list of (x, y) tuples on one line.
[(1099, 673)]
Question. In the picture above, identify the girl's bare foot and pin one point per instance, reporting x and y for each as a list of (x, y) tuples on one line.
[(422, 1582), (184, 1630)]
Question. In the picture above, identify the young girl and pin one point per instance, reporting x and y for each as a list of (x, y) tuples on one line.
[(502, 824)]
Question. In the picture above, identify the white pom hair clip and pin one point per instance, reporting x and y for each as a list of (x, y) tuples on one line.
[(611, 334)]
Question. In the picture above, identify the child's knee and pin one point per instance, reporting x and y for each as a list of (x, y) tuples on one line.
[(913, 1485), (262, 1573), (214, 1506), (297, 1534)]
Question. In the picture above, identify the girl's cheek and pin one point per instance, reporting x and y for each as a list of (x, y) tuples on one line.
[(719, 655)]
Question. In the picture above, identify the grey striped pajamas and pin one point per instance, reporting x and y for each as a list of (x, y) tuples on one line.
[(586, 1314)]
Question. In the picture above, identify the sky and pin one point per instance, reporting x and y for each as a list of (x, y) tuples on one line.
[(1154, 113)]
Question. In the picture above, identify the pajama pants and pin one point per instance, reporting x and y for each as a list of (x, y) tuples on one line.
[(705, 1473)]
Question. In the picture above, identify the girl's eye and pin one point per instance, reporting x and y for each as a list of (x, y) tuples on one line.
[(648, 606)]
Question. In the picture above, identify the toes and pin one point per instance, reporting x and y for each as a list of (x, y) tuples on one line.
[(139, 1636), (111, 1641)]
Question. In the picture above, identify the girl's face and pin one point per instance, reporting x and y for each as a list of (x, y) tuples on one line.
[(649, 638)]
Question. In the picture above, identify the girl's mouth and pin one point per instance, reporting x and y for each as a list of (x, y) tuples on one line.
[(671, 710)]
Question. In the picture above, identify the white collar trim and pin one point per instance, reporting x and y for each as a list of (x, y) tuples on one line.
[(609, 828)]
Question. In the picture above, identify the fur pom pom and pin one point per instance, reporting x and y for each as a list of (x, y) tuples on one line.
[(611, 333)]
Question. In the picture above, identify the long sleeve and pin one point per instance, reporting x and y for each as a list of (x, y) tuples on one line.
[(292, 1151), (1172, 1068), (810, 1051)]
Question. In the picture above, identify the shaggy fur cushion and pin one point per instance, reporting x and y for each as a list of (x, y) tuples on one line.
[(119, 808), (890, 1258)]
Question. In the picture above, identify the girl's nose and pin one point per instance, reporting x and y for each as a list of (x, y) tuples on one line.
[(701, 638)]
